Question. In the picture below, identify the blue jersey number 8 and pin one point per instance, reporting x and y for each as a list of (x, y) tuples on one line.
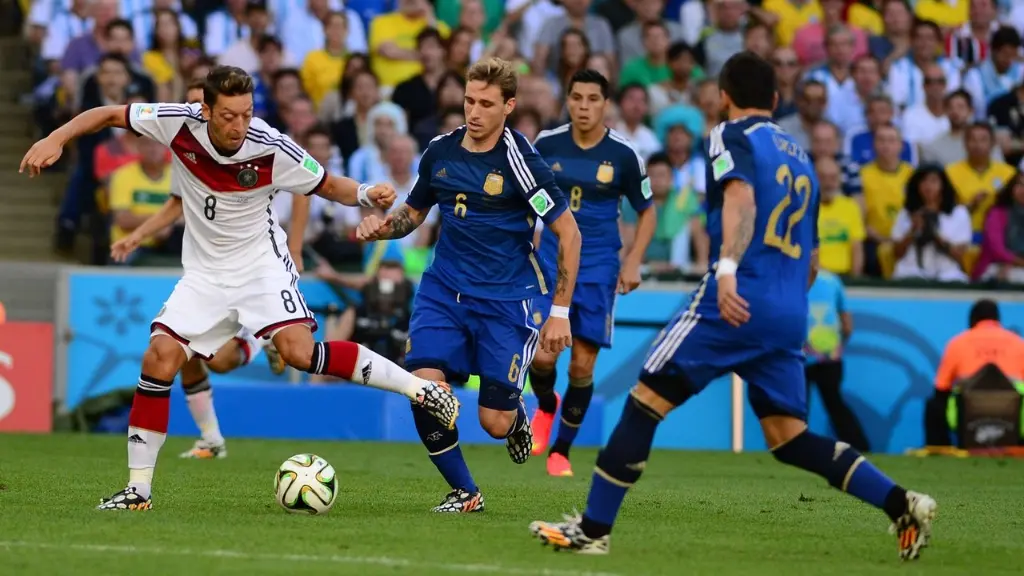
[(802, 187)]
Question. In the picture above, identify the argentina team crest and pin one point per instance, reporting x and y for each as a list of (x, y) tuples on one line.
[(605, 173), (494, 184), (247, 177)]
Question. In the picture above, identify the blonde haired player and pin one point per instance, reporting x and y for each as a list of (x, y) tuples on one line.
[(237, 270)]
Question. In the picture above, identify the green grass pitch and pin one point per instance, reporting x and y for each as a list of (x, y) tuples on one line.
[(691, 514)]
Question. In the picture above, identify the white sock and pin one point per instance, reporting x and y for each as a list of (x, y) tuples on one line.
[(143, 449), (252, 346), (200, 404), (361, 365)]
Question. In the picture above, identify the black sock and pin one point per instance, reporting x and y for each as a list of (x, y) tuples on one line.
[(195, 387), (543, 385), (574, 410), (443, 447)]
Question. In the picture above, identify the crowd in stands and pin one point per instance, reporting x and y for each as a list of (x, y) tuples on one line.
[(912, 111)]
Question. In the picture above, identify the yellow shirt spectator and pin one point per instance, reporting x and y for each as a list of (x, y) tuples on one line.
[(399, 30), (943, 12), (793, 14), (159, 69), (969, 182), (865, 18), (133, 190), (840, 226), (884, 194), (321, 74)]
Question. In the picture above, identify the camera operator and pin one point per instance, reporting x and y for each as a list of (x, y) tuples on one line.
[(932, 231)]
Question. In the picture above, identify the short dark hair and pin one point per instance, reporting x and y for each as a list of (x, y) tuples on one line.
[(195, 84), (679, 48), (588, 76), (626, 89), (268, 40), (450, 110), (982, 310), (656, 24), (1004, 36), (749, 80), (284, 73), (1005, 196), (226, 81), (866, 57), (959, 93), (659, 158), (754, 25), (428, 34), (113, 57), (525, 112), (318, 130), (119, 23), (980, 126), (919, 24)]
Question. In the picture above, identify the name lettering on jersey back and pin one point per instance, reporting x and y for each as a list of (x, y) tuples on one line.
[(789, 147), (242, 176)]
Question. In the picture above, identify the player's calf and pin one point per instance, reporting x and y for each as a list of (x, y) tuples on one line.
[(442, 446), (542, 380), (503, 415), (199, 397), (574, 409)]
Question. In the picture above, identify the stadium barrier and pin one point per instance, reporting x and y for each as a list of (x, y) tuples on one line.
[(899, 336), (26, 376)]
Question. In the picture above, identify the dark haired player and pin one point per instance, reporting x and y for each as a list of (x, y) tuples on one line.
[(754, 328), (596, 167), (237, 270), (472, 311)]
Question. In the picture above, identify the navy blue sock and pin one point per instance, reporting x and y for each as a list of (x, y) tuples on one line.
[(845, 469), (574, 410), (619, 466), (543, 384), (443, 446), (521, 420)]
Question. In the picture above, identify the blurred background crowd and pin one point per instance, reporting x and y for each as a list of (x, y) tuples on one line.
[(912, 111)]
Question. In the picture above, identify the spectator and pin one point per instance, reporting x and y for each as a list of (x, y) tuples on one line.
[(867, 81), (944, 13), (536, 93), (335, 105), (298, 117), (977, 178), (489, 13), (84, 52), (811, 102), (810, 42), (57, 28), (680, 223), (546, 53), (787, 73), (120, 150), (630, 38), (460, 50), (632, 102), (906, 76), (687, 165), (265, 79), (527, 122), (454, 117), (677, 89), (829, 327), (652, 67), (835, 74), (121, 43), (840, 224), (308, 29), (860, 146), (244, 52), (969, 45), (948, 148), (202, 68), (925, 121), (932, 231), (725, 38), (383, 122), (985, 342), (884, 181), (322, 68), (349, 132), (895, 41), (226, 26), (393, 41), (1004, 114), (418, 95), (143, 17), (450, 94), (825, 145), (169, 60), (709, 103), (758, 39), (790, 16), (529, 16), (399, 168), (1002, 249), (471, 21), (601, 64), (139, 190), (998, 74)]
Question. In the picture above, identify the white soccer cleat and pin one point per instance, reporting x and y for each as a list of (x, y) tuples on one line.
[(203, 450), (914, 529), (568, 535)]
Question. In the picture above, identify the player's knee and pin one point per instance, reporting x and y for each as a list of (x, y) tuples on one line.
[(543, 362), (163, 358), (496, 422), (295, 345), (221, 364), (652, 400), (781, 429), (193, 371)]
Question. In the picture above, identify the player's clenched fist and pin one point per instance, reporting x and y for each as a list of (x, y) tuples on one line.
[(42, 154), (556, 335), (373, 228), (383, 195)]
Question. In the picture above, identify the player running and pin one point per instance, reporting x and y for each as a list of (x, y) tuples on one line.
[(755, 328), (597, 166), (472, 313), (237, 270)]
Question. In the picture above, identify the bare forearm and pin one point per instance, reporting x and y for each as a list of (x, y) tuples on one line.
[(91, 121), (389, 50), (646, 223), (404, 220), (738, 218), (167, 215), (857, 266), (297, 225), (569, 243), (341, 190)]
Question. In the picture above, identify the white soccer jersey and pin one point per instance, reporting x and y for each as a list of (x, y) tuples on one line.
[(232, 233)]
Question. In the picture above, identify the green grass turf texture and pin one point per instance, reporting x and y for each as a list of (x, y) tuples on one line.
[(692, 513)]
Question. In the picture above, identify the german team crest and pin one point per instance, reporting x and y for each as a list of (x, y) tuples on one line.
[(247, 177), (605, 173), (494, 184)]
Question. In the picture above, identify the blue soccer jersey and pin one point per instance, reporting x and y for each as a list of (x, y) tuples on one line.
[(773, 275), (595, 180)]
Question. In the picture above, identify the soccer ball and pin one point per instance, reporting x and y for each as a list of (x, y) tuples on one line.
[(306, 484)]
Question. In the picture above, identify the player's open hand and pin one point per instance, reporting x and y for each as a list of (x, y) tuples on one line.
[(629, 277), (124, 247), (556, 335), (374, 227), (383, 195), (42, 154), (734, 309)]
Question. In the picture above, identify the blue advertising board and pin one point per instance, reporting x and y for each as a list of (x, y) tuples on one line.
[(890, 362)]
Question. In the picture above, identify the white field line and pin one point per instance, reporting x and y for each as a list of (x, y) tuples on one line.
[(387, 561)]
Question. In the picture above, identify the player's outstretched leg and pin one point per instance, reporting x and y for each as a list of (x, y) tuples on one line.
[(442, 446), (619, 466), (195, 381), (542, 380), (847, 470), (147, 422)]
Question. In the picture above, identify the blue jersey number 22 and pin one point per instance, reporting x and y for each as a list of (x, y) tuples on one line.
[(802, 187)]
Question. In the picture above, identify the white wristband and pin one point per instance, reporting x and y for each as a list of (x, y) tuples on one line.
[(559, 312), (726, 267), (363, 197)]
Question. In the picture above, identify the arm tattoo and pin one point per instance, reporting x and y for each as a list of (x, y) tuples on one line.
[(562, 282), (403, 223), (744, 232)]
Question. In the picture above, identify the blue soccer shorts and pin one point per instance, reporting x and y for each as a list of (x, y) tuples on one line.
[(591, 316), (462, 335), (692, 352)]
